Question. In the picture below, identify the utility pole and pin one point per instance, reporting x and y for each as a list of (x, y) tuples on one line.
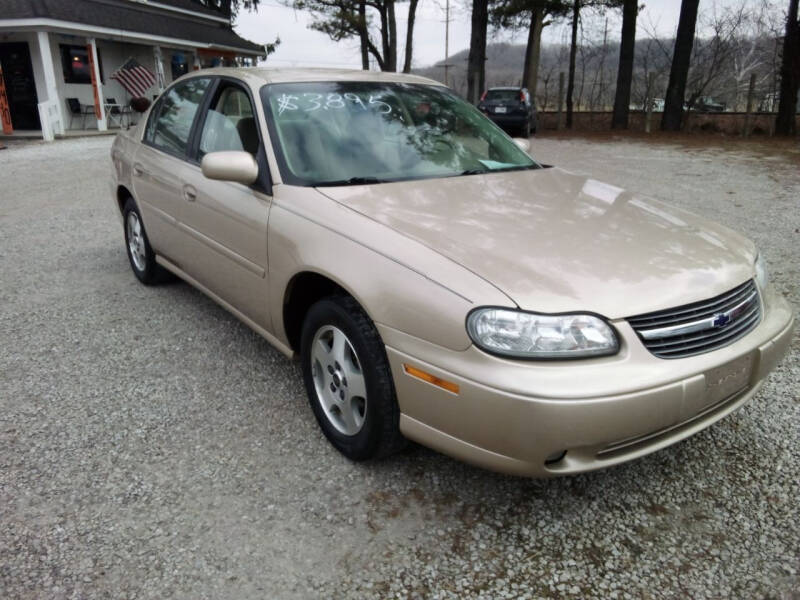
[(446, 41)]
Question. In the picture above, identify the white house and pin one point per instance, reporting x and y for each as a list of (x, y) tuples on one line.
[(57, 57)]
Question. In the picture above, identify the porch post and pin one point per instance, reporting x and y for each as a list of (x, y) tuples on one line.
[(5, 111), (99, 107), (159, 68), (43, 39)]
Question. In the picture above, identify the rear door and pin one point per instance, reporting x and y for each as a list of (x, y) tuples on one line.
[(226, 222), (160, 161)]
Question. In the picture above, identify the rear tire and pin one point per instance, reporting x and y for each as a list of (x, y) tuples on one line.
[(348, 380), (140, 253), (526, 130)]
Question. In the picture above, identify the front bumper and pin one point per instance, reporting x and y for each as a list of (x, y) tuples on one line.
[(516, 417)]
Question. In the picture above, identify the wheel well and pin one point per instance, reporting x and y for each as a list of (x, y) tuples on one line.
[(303, 291), (122, 196)]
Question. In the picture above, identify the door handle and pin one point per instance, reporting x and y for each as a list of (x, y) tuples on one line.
[(189, 193), (138, 170)]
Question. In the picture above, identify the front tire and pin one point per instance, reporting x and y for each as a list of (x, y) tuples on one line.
[(348, 380)]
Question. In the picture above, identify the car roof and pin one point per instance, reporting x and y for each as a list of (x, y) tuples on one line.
[(492, 89), (290, 75)]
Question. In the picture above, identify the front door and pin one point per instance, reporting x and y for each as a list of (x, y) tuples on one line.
[(226, 221), (15, 59)]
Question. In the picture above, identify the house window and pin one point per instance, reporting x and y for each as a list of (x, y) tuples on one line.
[(75, 64), (179, 65)]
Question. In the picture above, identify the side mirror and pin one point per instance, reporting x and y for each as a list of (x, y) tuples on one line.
[(525, 145), (236, 166)]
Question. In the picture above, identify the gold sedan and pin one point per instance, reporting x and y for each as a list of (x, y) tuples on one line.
[(436, 282)]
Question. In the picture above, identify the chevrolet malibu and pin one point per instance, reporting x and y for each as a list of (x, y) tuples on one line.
[(436, 282)]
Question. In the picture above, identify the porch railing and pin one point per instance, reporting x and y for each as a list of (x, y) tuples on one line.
[(51, 120)]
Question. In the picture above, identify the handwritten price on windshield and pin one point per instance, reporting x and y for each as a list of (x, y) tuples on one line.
[(312, 102)]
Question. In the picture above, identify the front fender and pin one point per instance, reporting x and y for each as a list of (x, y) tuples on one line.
[(400, 283)]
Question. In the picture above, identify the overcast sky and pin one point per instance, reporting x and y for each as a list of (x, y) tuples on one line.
[(301, 46)]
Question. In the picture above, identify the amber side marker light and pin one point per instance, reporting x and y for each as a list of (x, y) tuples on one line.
[(432, 379)]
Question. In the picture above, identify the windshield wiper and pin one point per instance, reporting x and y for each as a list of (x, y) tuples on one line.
[(500, 170), (351, 181), (516, 168)]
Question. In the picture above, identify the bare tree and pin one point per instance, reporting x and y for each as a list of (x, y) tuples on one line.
[(412, 11), (476, 63), (543, 99), (577, 6), (673, 104), (747, 53), (711, 57), (343, 19), (785, 123), (622, 97), (533, 15), (573, 50)]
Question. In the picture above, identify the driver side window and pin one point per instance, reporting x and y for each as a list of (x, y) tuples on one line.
[(230, 123)]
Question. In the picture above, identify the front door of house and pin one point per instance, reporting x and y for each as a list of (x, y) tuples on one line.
[(15, 59)]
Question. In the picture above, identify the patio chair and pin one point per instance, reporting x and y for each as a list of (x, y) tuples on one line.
[(76, 109), (117, 112)]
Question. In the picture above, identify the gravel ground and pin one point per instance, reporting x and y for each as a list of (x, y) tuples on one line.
[(151, 446)]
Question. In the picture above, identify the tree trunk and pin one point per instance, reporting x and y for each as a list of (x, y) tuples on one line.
[(676, 89), (573, 50), (363, 34), (385, 37), (412, 11), (622, 96), (391, 60), (482, 73), (785, 123), (530, 74), (476, 68)]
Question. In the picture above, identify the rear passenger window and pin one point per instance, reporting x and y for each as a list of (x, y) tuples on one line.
[(230, 123), (173, 123), (150, 130)]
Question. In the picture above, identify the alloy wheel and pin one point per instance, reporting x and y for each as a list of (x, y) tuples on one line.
[(338, 380), (136, 243)]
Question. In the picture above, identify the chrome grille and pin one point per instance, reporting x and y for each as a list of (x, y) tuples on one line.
[(701, 326)]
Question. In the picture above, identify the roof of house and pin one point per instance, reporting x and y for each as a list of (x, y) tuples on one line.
[(136, 17), (192, 5)]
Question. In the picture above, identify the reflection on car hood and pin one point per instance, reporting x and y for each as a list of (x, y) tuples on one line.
[(554, 241)]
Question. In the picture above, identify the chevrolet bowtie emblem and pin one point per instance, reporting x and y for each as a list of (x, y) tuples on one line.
[(720, 320)]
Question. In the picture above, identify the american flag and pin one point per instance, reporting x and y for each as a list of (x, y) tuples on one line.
[(135, 78)]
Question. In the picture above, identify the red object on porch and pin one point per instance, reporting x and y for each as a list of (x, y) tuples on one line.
[(5, 111), (97, 109)]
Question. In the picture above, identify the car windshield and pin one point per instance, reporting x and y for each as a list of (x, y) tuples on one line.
[(345, 133), (503, 95)]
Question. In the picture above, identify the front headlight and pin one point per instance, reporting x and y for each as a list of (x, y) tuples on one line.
[(761, 273), (530, 335)]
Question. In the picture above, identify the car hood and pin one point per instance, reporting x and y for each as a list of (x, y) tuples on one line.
[(553, 241)]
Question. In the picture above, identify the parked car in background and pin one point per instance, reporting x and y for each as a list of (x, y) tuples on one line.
[(436, 282), (511, 108), (708, 104)]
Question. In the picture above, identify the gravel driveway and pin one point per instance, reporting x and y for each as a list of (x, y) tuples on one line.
[(151, 446)]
